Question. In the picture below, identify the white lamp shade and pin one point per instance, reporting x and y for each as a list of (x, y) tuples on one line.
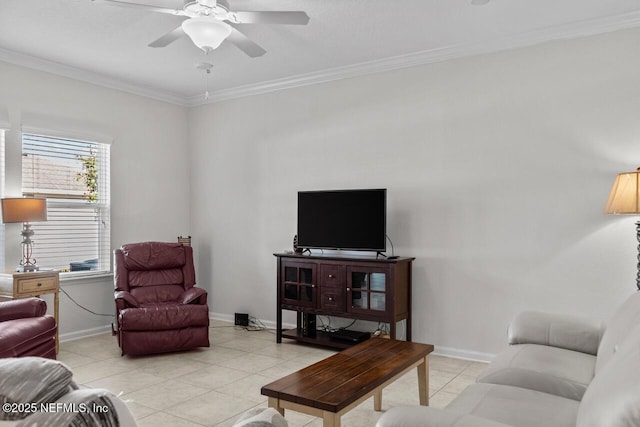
[(206, 33), (625, 194), (24, 210)]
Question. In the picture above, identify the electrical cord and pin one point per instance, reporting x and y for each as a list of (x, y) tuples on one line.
[(393, 253), (85, 308), (348, 326)]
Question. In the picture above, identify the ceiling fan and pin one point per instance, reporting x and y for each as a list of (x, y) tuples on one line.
[(209, 22)]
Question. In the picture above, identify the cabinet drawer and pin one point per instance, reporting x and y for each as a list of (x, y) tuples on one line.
[(332, 297), (36, 285), (332, 275)]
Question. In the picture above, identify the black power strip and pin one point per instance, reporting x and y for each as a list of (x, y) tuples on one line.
[(241, 319)]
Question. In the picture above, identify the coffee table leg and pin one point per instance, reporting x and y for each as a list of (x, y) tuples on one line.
[(377, 400), (275, 404), (423, 381), (330, 419)]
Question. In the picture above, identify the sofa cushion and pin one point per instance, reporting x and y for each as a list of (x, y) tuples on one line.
[(261, 417), (157, 317), (413, 416), (85, 414), (515, 406), (20, 335), (556, 330), (31, 380), (552, 370), (618, 327), (613, 397)]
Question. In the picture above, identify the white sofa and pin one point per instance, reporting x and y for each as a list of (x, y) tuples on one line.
[(558, 371), (40, 392)]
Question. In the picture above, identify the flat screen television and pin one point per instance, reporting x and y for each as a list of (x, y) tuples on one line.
[(343, 219)]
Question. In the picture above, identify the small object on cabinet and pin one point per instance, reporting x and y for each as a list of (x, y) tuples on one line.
[(296, 249)]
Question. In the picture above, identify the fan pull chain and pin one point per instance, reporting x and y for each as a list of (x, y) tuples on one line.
[(206, 66), (206, 84)]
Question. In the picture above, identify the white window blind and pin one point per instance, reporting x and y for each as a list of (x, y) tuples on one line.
[(73, 176)]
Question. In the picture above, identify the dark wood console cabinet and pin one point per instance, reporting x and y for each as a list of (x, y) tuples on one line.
[(352, 287)]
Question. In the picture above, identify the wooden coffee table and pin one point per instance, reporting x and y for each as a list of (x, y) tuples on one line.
[(332, 387)]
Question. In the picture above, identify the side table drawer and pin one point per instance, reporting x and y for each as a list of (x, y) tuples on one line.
[(36, 285)]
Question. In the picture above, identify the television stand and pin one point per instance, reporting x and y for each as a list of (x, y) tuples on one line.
[(352, 287)]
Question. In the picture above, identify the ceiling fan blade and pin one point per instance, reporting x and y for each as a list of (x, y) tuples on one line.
[(168, 38), (142, 7), (245, 44), (268, 17)]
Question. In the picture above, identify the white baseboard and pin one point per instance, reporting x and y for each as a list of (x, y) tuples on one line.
[(440, 351), (457, 353), (70, 336), (231, 319)]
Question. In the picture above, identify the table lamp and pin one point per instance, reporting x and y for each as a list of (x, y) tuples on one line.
[(25, 210), (624, 199)]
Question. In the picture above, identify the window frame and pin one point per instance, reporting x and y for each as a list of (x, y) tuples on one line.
[(103, 248)]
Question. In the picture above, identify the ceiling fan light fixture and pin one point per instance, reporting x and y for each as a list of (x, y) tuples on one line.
[(206, 33)]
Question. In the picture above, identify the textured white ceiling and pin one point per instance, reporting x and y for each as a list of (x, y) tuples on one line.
[(108, 45)]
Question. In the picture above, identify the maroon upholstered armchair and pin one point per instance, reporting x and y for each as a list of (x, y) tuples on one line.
[(157, 305), (25, 329)]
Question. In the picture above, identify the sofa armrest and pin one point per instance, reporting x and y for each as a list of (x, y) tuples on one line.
[(556, 330), (125, 300), (194, 296), (22, 308), (424, 416)]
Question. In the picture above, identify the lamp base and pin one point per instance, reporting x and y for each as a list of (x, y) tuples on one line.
[(27, 268), (27, 263)]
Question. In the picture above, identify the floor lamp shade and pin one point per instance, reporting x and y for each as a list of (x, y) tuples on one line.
[(624, 199), (24, 210)]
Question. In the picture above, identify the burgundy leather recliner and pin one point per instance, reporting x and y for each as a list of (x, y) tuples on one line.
[(26, 329), (158, 308)]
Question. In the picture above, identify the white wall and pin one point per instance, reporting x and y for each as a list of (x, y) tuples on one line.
[(497, 166), (497, 169), (149, 164)]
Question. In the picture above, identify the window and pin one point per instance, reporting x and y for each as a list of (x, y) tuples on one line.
[(73, 176)]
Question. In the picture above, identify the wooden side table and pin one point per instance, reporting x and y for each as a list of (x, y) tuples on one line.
[(33, 284)]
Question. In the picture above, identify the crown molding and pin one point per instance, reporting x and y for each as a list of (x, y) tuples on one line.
[(87, 76), (560, 32)]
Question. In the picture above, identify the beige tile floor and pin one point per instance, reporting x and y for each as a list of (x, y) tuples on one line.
[(213, 386)]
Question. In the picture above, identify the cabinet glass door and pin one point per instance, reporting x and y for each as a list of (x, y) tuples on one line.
[(367, 289), (298, 287)]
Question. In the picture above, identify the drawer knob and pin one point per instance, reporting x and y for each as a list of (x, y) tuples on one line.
[(330, 299), (39, 284), (331, 276), (348, 289)]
